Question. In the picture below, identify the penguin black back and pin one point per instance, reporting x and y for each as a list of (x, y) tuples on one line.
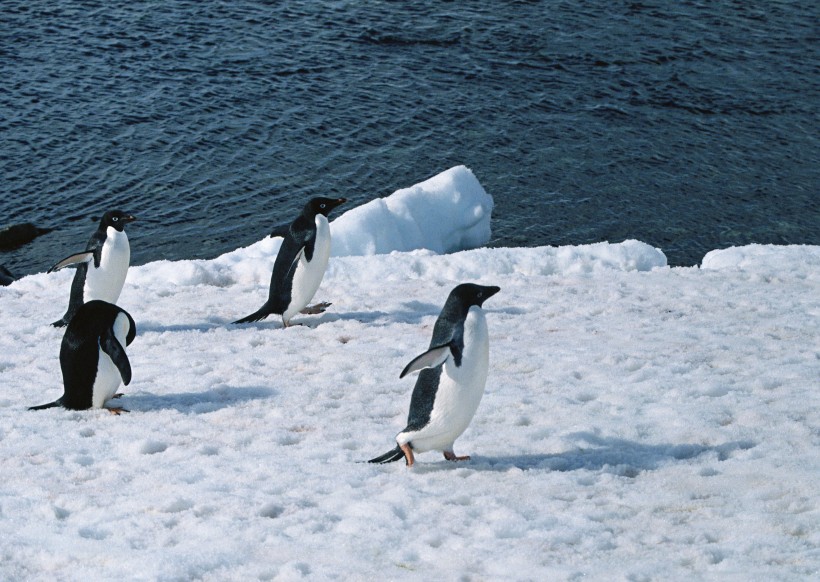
[(89, 332)]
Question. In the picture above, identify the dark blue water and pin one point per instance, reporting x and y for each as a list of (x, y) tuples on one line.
[(689, 125)]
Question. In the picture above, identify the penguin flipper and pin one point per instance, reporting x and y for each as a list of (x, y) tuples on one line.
[(294, 264), (111, 346), (431, 358), (74, 260), (280, 230), (389, 457)]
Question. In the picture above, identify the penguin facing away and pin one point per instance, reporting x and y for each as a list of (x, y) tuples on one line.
[(101, 267), (453, 372), (300, 264), (92, 356)]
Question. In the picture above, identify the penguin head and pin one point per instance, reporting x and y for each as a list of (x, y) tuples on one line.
[(116, 219), (470, 294), (322, 205)]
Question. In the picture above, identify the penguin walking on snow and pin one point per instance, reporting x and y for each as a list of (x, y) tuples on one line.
[(300, 264), (452, 378), (101, 267), (93, 358)]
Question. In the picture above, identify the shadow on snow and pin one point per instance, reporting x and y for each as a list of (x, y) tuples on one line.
[(195, 402), (596, 453)]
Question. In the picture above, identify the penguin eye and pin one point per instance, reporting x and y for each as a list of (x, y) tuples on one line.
[(323, 205), (115, 219)]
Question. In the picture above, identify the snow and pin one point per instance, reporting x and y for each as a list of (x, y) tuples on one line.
[(446, 213), (640, 422)]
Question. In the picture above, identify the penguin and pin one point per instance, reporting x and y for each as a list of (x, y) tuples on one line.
[(453, 372), (300, 264), (93, 358), (102, 267)]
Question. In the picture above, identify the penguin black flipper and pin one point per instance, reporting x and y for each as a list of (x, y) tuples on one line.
[(294, 247), (74, 260), (81, 261), (280, 230), (389, 456), (432, 358), (111, 346), (76, 295)]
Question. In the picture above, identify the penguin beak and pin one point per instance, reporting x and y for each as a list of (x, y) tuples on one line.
[(339, 202), (492, 290), (129, 218), (489, 292)]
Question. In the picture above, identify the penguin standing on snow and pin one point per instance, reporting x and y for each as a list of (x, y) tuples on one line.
[(92, 356), (102, 267), (452, 378), (300, 264)]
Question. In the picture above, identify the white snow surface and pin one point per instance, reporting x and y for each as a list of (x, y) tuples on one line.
[(640, 422)]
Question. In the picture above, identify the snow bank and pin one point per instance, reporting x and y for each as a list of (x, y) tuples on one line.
[(447, 213), (766, 259)]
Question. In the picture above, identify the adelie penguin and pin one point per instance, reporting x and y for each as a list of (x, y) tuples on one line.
[(101, 267), (300, 264), (93, 358), (452, 378)]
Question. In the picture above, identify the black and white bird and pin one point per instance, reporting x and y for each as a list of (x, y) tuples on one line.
[(92, 356), (453, 373), (300, 264), (101, 267)]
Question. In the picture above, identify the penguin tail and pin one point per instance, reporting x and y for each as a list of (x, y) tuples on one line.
[(258, 315), (389, 457), (60, 323), (44, 406)]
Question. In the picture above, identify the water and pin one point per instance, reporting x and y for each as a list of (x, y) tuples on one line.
[(689, 125)]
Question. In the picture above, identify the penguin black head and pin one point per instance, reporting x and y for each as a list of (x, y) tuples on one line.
[(322, 205), (116, 219), (470, 294)]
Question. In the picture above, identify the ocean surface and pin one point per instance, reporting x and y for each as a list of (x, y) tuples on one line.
[(688, 125)]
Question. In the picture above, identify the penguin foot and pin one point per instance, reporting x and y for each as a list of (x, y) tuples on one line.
[(316, 309), (117, 411), (118, 395), (408, 454), (451, 456)]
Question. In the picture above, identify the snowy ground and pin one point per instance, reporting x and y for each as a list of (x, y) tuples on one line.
[(640, 423)]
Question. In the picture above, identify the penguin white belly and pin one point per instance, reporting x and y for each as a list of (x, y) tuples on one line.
[(105, 282), (309, 274), (459, 391), (108, 375)]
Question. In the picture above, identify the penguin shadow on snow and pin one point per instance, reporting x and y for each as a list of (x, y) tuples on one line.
[(595, 453), (196, 402), (156, 327), (413, 313)]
